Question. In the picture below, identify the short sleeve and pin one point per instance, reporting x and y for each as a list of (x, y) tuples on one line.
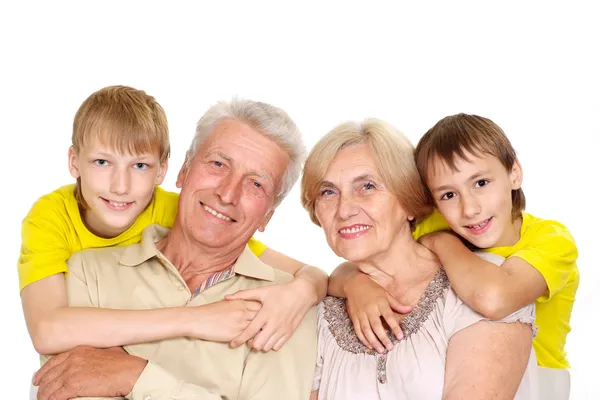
[(434, 222), (44, 242), (257, 247), (552, 251)]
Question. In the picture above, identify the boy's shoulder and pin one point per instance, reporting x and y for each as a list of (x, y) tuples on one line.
[(57, 201), (162, 196), (533, 225)]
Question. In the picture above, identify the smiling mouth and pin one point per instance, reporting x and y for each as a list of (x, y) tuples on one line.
[(479, 226), (117, 205), (217, 214)]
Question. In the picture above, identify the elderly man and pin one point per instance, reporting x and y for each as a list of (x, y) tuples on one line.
[(244, 159)]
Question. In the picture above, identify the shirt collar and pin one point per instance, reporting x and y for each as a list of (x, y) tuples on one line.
[(247, 263)]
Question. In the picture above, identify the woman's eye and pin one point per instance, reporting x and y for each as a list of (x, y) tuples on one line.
[(368, 186), (326, 192)]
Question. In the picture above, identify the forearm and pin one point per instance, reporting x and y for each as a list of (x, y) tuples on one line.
[(340, 277), (316, 278), (67, 327), (478, 282)]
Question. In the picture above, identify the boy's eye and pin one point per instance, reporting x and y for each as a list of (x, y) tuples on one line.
[(100, 162), (481, 182), (447, 196), (140, 165)]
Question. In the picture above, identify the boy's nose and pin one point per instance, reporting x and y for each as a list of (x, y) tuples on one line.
[(120, 183)]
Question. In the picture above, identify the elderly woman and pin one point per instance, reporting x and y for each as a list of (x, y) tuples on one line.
[(361, 185)]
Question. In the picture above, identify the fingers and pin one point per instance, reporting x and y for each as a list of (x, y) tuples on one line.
[(52, 382), (250, 294), (370, 336), (359, 334), (282, 340), (390, 319), (50, 364), (251, 331)]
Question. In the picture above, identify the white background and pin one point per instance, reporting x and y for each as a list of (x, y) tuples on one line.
[(532, 68)]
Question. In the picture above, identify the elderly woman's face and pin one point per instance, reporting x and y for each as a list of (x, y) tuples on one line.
[(360, 217)]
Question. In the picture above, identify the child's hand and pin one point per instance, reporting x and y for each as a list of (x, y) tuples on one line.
[(283, 308), (367, 303), (223, 320)]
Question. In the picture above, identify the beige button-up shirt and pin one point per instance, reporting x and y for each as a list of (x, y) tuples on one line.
[(140, 277)]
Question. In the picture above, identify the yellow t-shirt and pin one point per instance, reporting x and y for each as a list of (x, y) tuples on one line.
[(53, 230), (549, 247)]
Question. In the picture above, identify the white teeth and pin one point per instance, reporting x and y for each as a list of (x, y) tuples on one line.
[(217, 214), (115, 204), (355, 229), (479, 226)]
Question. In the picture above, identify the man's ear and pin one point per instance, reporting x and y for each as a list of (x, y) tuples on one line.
[(73, 163), (182, 173), (265, 221), (162, 172), (516, 175)]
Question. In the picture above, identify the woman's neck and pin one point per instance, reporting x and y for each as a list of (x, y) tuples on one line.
[(404, 270)]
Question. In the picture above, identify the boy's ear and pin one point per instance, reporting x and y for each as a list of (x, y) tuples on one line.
[(162, 172), (73, 163), (265, 221), (516, 175), (182, 174)]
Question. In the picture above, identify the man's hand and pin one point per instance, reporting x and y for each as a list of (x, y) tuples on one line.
[(367, 304), (223, 320), (88, 372), (283, 308)]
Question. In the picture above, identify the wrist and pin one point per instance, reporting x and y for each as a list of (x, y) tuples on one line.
[(306, 289), (353, 281)]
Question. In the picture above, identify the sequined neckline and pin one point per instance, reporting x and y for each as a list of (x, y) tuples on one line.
[(341, 327)]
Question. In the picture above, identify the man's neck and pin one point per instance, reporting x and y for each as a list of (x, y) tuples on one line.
[(195, 263)]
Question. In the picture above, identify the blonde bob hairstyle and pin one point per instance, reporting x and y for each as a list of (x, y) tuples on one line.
[(394, 159)]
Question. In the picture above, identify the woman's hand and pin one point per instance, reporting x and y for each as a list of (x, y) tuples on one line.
[(367, 303), (283, 308), (222, 321)]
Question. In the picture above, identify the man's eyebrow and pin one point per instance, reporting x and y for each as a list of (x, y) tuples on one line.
[(220, 154)]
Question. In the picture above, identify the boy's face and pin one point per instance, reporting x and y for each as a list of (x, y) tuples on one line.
[(116, 187), (476, 199)]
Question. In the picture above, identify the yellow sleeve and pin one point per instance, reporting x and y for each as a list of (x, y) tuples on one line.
[(44, 242), (552, 251), (434, 222), (257, 247)]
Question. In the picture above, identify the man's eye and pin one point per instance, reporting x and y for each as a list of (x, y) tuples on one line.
[(218, 164), (257, 184)]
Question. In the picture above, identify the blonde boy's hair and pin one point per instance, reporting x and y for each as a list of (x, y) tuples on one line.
[(393, 156), (124, 119), (456, 135)]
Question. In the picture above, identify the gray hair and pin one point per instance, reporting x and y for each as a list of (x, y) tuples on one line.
[(271, 121)]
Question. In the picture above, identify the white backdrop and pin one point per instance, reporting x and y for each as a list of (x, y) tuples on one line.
[(531, 68)]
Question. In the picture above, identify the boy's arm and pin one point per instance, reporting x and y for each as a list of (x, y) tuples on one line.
[(492, 291), (54, 327), (284, 305)]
